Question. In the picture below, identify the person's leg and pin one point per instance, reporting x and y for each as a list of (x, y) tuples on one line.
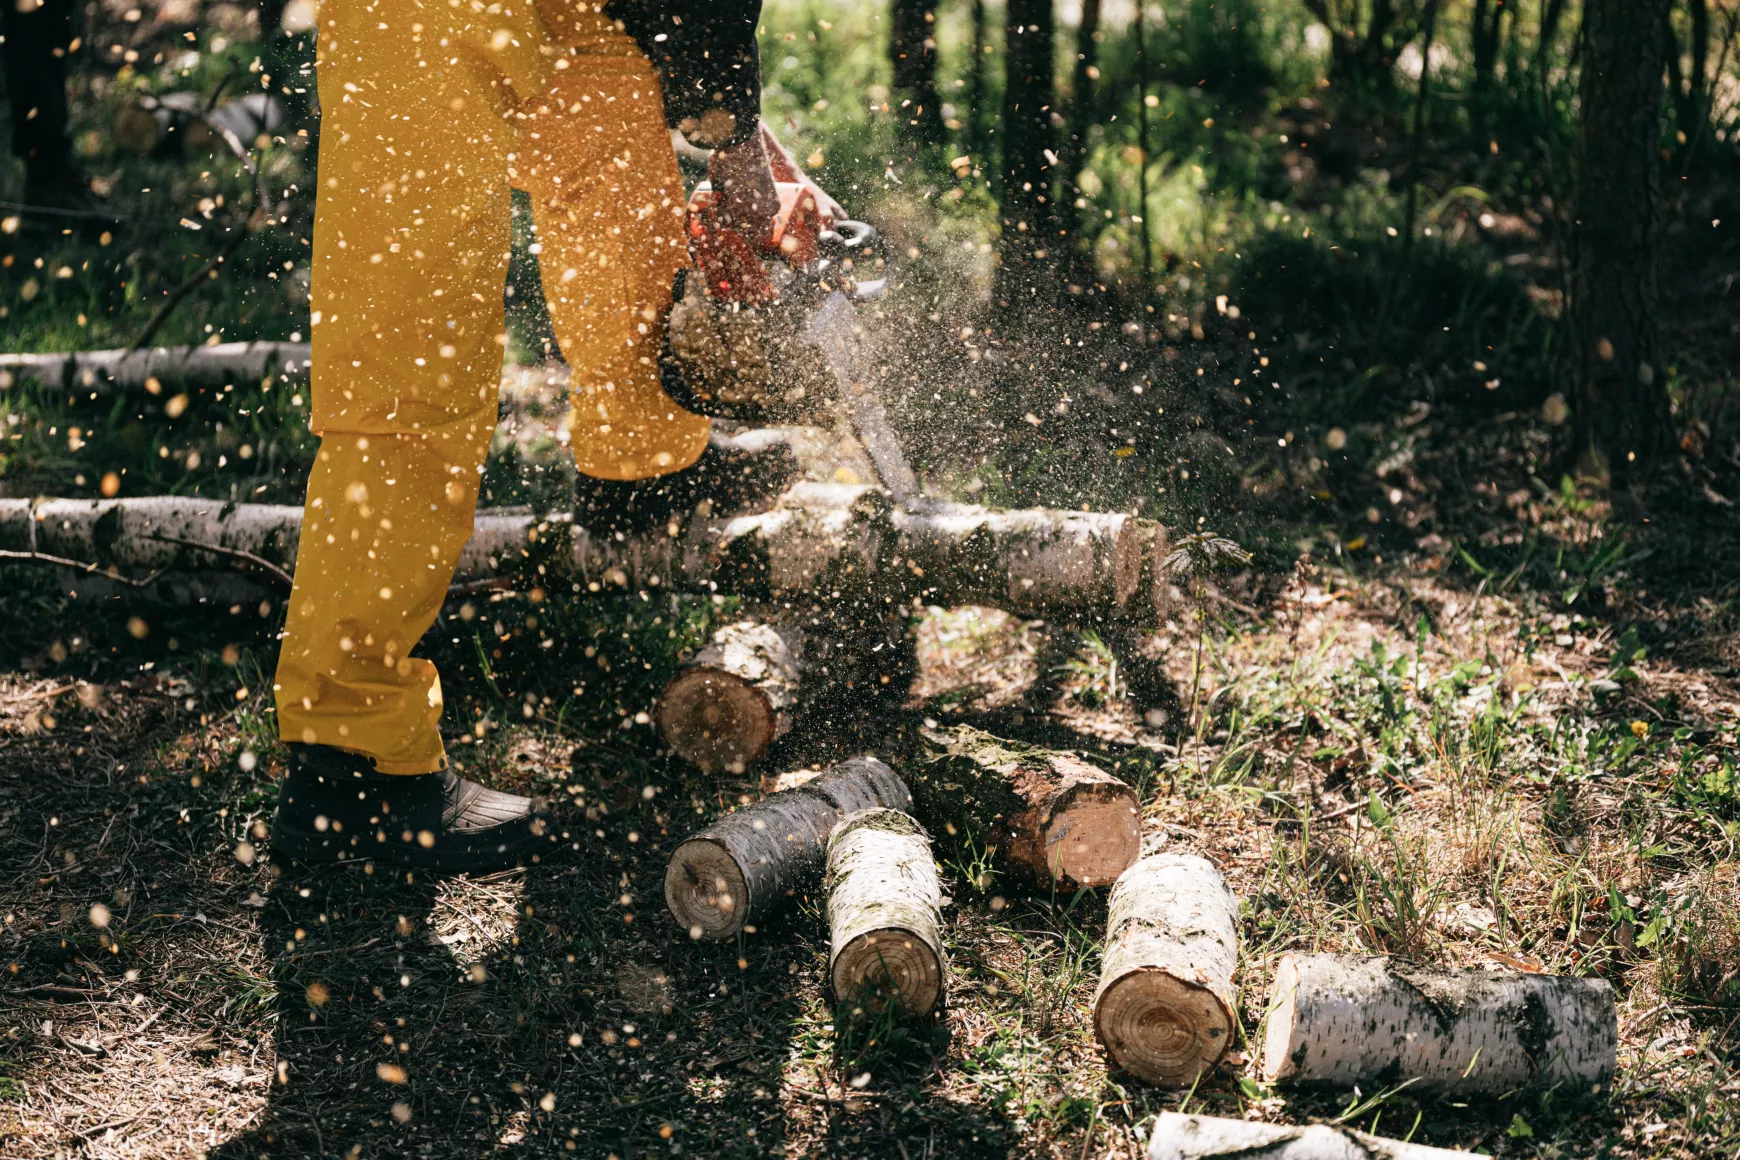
[(410, 241), (609, 206)]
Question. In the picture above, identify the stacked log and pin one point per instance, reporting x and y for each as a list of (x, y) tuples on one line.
[(740, 869), (884, 914), (1347, 1020), (1051, 817), (1165, 1008), (1181, 1137)]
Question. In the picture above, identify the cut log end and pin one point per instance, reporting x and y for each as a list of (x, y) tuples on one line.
[(705, 890), (1094, 839), (1161, 1029), (890, 965), (717, 720), (1283, 1017)]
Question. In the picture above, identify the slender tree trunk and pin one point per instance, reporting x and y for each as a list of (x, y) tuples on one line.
[(1623, 425), (1484, 24), (977, 137), (1028, 217), (1084, 115), (1144, 235), (912, 50)]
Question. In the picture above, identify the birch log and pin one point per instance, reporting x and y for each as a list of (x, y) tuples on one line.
[(736, 696), (884, 914), (1165, 1007), (738, 870), (1347, 1020), (1050, 816), (1180, 1137), (818, 541), (173, 369)]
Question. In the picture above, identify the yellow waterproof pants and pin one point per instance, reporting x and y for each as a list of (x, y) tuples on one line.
[(432, 111)]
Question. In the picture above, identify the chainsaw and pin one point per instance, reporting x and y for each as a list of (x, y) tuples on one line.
[(767, 331)]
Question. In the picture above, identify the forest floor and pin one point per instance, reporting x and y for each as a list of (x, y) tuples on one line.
[(1428, 756)]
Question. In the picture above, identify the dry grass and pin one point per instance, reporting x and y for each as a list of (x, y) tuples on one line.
[(1465, 795)]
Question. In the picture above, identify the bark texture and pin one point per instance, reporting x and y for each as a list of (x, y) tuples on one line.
[(1347, 1020), (816, 541), (884, 914), (1180, 1137), (736, 696), (1050, 816), (1165, 1007), (1621, 413), (742, 867), (175, 368)]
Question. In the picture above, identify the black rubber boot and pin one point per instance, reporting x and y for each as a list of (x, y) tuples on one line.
[(730, 477), (334, 807)]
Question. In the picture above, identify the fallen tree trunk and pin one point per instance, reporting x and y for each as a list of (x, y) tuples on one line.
[(1181, 1137), (817, 541), (1344, 1020), (735, 697), (1050, 816), (884, 914), (736, 871), (1165, 1007), (170, 369)]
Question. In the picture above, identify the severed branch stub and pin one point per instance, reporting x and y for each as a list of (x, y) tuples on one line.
[(740, 868), (884, 914), (1181, 1137), (1051, 816), (1348, 1019), (736, 696), (1165, 1007)]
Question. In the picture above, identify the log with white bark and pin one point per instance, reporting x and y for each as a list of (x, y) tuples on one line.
[(817, 541), (167, 370), (736, 696), (884, 914), (1165, 1008), (1344, 1020), (1050, 816), (1181, 1137), (742, 867)]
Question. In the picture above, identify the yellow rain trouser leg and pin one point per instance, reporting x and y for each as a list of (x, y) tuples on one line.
[(423, 104)]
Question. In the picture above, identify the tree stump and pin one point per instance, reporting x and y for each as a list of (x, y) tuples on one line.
[(1050, 816), (740, 868), (885, 914), (1165, 1008), (1343, 1020)]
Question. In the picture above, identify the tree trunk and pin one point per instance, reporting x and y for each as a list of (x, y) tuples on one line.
[(978, 92), (912, 50), (1485, 24), (1051, 817), (1084, 115), (1165, 1008), (884, 914), (741, 868), (735, 697), (1622, 421), (1029, 220), (1181, 1137), (1347, 1020)]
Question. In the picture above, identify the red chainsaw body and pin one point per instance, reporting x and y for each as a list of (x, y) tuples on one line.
[(731, 267)]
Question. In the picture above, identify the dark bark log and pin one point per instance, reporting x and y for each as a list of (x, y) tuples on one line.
[(1028, 210), (748, 863), (912, 51), (1051, 817), (884, 914), (1622, 422)]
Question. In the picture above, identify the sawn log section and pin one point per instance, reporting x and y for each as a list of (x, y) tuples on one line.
[(1051, 816), (1344, 1020), (884, 914), (749, 862)]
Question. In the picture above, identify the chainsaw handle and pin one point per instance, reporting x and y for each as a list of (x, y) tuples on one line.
[(850, 239)]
